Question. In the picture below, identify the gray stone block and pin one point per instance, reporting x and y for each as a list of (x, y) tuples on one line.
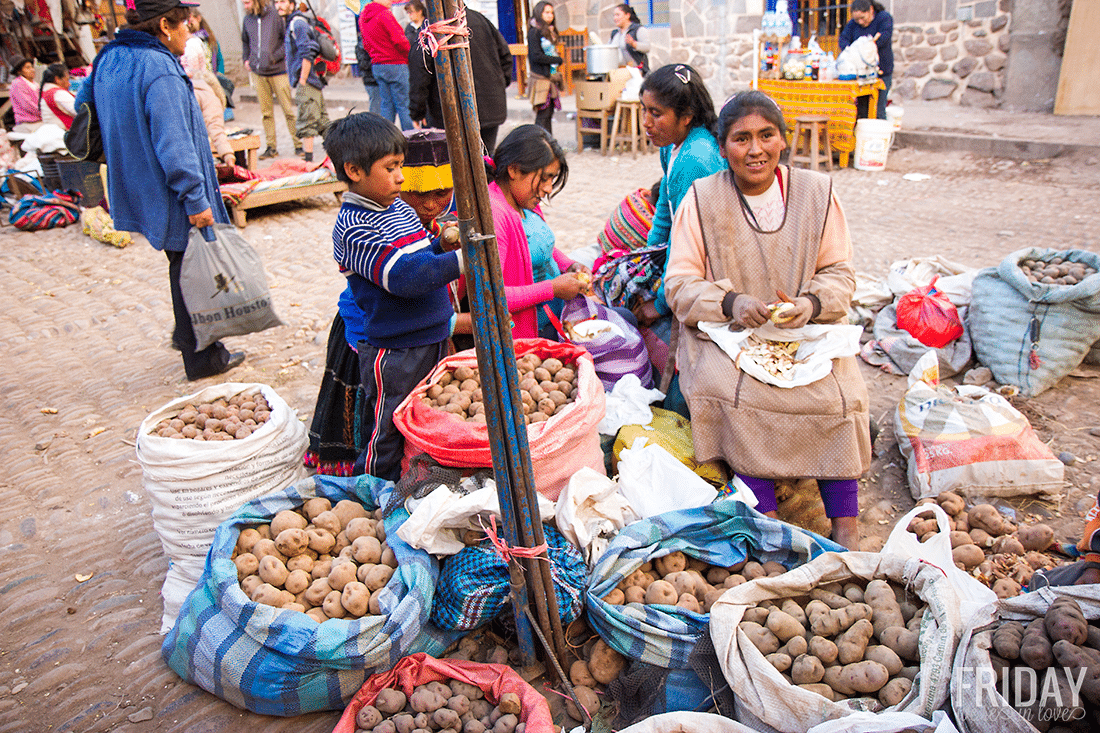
[(921, 53), (939, 68), (906, 40), (744, 24), (909, 29), (938, 89), (995, 61), (1004, 5), (694, 27), (983, 81), (935, 40), (964, 66), (949, 53), (905, 89), (917, 11), (945, 27), (977, 46), (1004, 42), (975, 98), (985, 9), (952, 37), (998, 23), (917, 70), (974, 23), (980, 33)]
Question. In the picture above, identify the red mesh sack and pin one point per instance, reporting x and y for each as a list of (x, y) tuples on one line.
[(929, 316), (420, 669)]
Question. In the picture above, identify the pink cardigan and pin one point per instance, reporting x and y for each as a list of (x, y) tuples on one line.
[(522, 293)]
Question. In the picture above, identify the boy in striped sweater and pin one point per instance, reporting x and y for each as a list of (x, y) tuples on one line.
[(397, 275)]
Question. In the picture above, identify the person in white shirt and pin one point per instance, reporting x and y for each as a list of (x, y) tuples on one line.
[(56, 103)]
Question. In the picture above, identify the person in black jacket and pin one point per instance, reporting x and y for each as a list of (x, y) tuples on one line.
[(631, 37), (545, 86), (870, 18), (491, 64)]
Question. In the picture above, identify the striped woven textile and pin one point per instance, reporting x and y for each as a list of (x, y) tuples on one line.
[(722, 533), (57, 209), (629, 224)]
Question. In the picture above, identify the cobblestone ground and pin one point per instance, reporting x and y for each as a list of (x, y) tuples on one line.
[(84, 329)]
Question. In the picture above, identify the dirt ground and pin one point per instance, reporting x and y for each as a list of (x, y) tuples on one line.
[(84, 330)]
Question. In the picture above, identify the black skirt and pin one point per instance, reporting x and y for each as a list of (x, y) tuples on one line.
[(336, 435)]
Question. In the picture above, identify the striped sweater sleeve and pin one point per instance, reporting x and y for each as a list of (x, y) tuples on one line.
[(1090, 539)]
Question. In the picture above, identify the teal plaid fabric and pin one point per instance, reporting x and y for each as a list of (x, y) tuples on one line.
[(722, 534), (277, 662)]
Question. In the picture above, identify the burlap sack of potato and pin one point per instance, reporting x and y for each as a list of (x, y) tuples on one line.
[(1032, 334), (560, 446), (972, 664), (194, 486), (763, 692)]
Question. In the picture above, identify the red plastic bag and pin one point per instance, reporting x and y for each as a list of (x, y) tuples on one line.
[(929, 316), (560, 446), (420, 669)]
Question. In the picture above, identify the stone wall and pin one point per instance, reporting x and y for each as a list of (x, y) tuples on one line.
[(961, 60)]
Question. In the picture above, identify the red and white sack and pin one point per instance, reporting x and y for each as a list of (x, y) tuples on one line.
[(194, 485), (765, 694), (560, 446)]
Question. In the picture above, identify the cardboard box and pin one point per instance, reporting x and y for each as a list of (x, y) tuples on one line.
[(601, 94)]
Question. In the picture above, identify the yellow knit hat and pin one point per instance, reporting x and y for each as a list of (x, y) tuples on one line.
[(427, 164)]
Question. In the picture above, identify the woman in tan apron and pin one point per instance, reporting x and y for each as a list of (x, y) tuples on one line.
[(742, 239)]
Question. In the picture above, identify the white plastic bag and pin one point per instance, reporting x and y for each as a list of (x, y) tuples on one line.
[(628, 404), (194, 486), (899, 722), (955, 280), (973, 596), (654, 481), (814, 360), (684, 721), (969, 439), (591, 511), (633, 86), (436, 522)]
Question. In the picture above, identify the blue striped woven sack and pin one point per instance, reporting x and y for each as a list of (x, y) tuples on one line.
[(723, 533), (1030, 334), (57, 209), (474, 585), (279, 662)]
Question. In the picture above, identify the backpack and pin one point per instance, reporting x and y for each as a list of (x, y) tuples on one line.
[(328, 63)]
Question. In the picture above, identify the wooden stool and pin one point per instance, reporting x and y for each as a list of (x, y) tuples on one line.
[(816, 128), (601, 128), (633, 123)]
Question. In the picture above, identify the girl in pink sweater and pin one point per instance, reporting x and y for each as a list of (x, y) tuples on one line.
[(529, 166)]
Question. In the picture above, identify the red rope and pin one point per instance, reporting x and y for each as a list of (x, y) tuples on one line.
[(509, 553), (446, 29)]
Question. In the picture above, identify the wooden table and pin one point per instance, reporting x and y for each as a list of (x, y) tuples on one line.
[(833, 99), (248, 145), (519, 61)]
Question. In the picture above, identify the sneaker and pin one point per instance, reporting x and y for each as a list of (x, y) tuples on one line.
[(269, 153)]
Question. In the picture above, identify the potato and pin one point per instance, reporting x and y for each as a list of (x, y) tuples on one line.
[(297, 581), (368, 717), (682, 581), (865, 677), (967, 556), (852, 643), (951, 503), (1007, 544), (249, 584), (795, 647), (445, 718), (673, 562), (986, 516), (1007, 639), (886, 611), (267, 547), (780, 661), (377, 577), (580, 675), (287, 519), (1064, 620), (509, 704), (832, 600), (634, 594), (341, 575), (247, 564), (317, 591), (605, 664), (247, 540), (757, 615), (795, 611), (1036, 537), (616, 597), (835, 679), (273, 571), (960, 538), (894, 691), (823, 649), (355, 598), (784, 626), (587, 698), (661, 592), (711, 597), (761, 638), (771, 567), (689, 602), (807, 669), (903, 641), (885, 656), (366, 550), (292, 542), (347, 510), (1006, 588), (823, 690), (753, 570), (268, 595)]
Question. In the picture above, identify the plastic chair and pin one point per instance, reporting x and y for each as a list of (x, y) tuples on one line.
[(815, 128)]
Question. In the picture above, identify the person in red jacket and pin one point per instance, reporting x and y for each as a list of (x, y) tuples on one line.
[(385, 41)]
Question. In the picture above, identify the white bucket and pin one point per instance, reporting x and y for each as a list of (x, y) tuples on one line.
[(873, 138), (894, 114)]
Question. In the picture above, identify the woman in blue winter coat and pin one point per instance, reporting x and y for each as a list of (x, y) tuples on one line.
[(161, 178), (869, 18)]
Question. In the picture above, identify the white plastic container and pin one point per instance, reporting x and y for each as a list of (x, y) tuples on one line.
[(894, 114), (873, 138)]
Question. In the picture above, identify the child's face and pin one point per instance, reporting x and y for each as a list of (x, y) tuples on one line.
[(428, 204), (528, 189), (382, 184)]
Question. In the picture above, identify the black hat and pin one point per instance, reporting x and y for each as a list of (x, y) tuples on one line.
[(147, 9)]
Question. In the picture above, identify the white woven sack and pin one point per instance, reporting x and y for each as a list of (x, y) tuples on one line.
[(763, 691), (194, 486), (989, 711), (687, 722)]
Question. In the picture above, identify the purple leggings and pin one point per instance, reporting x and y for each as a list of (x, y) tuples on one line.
[(840, 496)]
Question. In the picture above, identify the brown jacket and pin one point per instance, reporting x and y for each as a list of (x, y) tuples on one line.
[(819, 430)]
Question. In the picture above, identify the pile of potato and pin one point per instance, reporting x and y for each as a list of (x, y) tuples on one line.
[(680, 580), (453, 707), (546, 386), (594, 665), (1056, 271), (235, 418), (843, 641), (988, 545), (325, 561), (1058, 644)]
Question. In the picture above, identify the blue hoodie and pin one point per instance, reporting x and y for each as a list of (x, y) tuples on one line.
[(159, 166)]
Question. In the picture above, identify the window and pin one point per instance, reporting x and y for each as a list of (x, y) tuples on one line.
[(659, 13), (822, 18)]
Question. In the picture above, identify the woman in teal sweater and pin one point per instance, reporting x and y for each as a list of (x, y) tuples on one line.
[(678, 117)]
